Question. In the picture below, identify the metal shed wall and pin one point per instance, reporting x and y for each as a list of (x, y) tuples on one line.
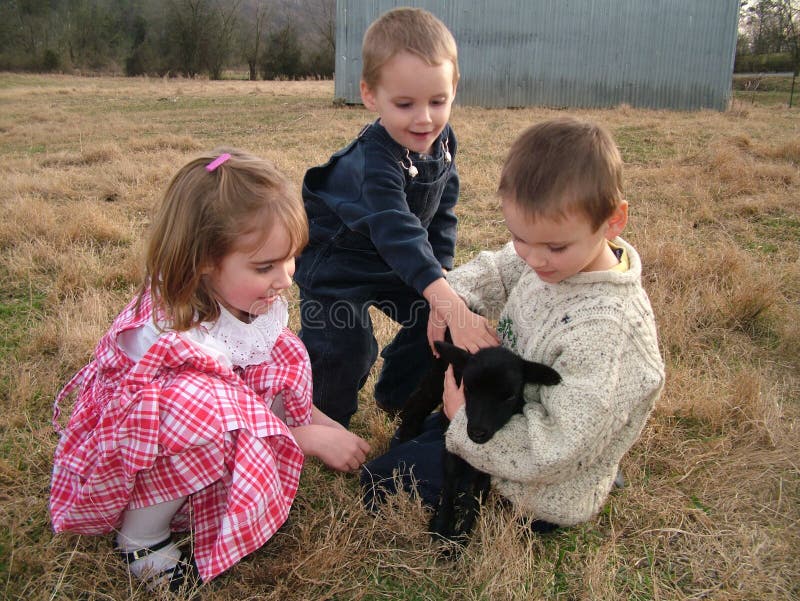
[(674, 54)]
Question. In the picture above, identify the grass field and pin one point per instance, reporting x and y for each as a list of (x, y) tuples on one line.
[(712, 505), (767, 88)]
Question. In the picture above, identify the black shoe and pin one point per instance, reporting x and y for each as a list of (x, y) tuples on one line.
[(183, 576)]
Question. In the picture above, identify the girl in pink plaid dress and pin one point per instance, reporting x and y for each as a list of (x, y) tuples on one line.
[(195, 412)]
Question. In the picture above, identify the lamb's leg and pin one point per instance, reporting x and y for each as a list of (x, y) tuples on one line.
[(422, 402), (468, 502), (441, 523), (465, 488)]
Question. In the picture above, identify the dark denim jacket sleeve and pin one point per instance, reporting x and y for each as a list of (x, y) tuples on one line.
[(381, 213)]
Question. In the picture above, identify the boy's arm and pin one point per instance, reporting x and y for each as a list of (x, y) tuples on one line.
[(381, 214), (562, 425)]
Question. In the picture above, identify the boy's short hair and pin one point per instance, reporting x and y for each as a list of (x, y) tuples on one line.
[(406, 29), (562, 166)]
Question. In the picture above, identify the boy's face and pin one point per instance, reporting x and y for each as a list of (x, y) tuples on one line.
[(559, 248), (413, 100)]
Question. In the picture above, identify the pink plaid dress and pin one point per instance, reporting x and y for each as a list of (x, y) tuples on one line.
[(180, 423)]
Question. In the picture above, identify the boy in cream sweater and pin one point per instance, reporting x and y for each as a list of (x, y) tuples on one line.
[(567, 292)]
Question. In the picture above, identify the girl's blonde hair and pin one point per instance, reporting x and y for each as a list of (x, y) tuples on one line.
[(202, 216), (406, 29)]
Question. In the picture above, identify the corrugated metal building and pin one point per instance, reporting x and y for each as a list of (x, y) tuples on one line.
[(674, 54)]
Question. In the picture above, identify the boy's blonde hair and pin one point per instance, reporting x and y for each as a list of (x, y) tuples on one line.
[(406, 29), (564, 166), (201, 218)]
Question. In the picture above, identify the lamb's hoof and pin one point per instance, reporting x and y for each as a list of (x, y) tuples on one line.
[(401, 436), (391, 412), (449, 549)]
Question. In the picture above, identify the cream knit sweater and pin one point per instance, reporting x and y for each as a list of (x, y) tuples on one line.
[(558, 459)]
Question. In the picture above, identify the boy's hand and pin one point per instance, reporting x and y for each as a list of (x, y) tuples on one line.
[(472, 332), (453, 397), (336, 447), (469, 330), (436, 330)]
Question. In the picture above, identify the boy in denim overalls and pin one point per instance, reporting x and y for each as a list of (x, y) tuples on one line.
[(382, 225)]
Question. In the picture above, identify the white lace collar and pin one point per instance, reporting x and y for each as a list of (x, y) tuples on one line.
[(243, 343)]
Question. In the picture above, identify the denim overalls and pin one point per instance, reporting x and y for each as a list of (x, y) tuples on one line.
[(377, 237)]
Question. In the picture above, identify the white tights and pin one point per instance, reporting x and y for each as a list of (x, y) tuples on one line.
[(146, 527)]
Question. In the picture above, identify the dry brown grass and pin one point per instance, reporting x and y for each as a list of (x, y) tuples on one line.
[(711, 508)]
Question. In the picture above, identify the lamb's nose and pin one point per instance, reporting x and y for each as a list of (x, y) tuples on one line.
[(478, 435)]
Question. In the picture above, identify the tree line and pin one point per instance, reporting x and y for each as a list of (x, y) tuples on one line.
[(272, 39), (269, 38), (769, 36)]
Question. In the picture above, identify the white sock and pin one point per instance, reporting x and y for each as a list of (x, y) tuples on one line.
[(146, 527)]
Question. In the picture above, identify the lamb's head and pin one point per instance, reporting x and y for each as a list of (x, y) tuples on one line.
[(494, 379)]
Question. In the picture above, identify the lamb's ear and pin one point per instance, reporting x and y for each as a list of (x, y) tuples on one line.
[(538, 373), (454, 355)]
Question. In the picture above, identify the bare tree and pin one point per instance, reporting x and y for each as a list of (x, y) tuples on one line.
[(253, 32), (283, 55), (790, 13), (202, 33), (31, 33), (320, 18), (226, 14), (772, 25)]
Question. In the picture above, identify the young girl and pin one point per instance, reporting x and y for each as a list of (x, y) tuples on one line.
[(196, 409)]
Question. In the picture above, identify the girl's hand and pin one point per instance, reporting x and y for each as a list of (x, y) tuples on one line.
[(453, 397), (335, 446)]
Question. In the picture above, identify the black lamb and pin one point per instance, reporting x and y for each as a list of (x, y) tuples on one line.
[(494, 379)]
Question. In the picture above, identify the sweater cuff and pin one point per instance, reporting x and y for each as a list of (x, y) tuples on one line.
[(456, 433)]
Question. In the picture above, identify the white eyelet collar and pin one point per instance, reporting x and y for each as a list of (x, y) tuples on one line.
[(243, 343)]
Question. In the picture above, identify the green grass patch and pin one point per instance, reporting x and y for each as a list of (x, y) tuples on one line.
[(387, 585), (763, 83), (779, 226), (769, 233), (29, 80), (771, 98), (17, 311), (642, 145), (763, 246), (698, 504), (634, 584)]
